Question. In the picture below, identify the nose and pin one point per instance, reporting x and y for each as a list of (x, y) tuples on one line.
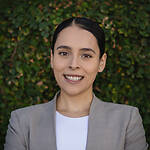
[(74, 64)]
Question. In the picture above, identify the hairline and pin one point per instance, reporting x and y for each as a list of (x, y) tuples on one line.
[(73, 23)]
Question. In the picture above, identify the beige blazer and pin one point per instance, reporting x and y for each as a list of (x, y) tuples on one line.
[(110, 127)]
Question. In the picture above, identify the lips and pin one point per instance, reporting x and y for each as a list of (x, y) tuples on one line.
[(73, 77)]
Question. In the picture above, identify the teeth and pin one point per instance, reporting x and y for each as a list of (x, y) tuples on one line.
[(73, 78)]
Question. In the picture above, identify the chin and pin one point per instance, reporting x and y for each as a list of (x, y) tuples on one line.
[(74, 92)]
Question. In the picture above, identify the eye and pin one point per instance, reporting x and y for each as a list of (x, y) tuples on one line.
[(86, 56), (63, 53)]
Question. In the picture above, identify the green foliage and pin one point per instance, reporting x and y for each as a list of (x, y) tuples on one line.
[(26, 28)]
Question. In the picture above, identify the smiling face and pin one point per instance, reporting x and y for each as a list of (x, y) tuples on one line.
[(76, 60)]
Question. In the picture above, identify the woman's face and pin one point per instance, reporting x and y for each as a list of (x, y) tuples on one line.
[(76, 60)]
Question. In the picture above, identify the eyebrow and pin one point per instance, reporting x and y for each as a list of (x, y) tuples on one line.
[(88, 49), (69, 48), (63, 47)]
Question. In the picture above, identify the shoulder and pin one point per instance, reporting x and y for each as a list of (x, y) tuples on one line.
[(36, 107), (118, 112), (31, 112), (113, 107)]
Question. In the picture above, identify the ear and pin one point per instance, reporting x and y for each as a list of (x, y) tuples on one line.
[(52, 59), (102, 62)]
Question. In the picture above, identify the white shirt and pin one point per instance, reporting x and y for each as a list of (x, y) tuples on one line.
[(71, 133)]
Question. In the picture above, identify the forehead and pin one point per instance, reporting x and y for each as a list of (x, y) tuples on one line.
[(76, 37)]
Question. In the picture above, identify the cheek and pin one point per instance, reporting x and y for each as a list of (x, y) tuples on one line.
[(58, 65), (92, 68)]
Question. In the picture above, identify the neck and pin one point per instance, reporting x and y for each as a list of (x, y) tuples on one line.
[(74, 105)]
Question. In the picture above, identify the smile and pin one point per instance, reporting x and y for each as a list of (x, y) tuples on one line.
[(73, 77)]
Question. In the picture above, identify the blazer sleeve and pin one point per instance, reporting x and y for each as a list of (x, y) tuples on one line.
[(14, 138), (135, 135)]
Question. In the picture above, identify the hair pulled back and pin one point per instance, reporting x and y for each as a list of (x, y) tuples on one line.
[(86, 24)]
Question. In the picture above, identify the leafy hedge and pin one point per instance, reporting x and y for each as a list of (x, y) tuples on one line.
[(26, 28)]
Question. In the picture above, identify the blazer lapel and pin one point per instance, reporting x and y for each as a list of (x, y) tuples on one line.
[(52, 124), (44, 127), (96, 126)]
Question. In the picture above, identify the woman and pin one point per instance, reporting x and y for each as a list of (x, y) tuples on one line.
[(76, 119)]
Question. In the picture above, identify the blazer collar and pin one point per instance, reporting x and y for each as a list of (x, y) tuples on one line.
[(95, 115)]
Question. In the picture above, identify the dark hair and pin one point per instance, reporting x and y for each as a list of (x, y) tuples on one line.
[(86, 24)]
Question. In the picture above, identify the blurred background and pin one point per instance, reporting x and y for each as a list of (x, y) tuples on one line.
[(26, 29)]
